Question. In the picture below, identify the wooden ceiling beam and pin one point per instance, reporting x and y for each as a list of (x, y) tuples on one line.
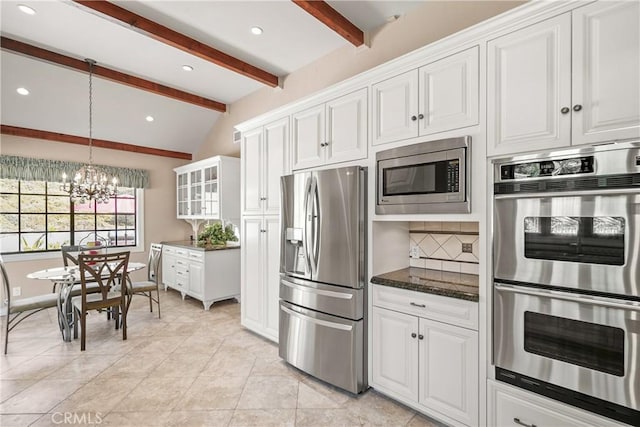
[(109, 74), (179, 41), (101, 143), (332, 19)]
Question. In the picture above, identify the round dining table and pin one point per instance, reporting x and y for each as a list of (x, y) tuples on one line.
[(64, 278)]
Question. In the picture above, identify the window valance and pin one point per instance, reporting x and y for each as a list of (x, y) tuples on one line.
[(29, 169)]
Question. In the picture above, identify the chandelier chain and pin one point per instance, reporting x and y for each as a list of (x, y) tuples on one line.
[(91, 65)]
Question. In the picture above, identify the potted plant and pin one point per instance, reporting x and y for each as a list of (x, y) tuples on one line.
[(215, 235)]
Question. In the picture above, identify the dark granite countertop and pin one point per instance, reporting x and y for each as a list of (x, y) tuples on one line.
[(445, 283), (192, 244)]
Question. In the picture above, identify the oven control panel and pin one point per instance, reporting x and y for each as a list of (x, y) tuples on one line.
[(548, 168)]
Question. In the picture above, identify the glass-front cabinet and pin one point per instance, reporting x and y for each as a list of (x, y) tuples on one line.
[(209, 189)]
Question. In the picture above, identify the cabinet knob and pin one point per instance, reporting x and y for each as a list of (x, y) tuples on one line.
[(577, 107), (420, 337), (414, 118), (420, 116), (565, 110), (413, 335)]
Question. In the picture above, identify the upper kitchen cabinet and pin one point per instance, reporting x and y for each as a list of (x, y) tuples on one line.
[(569, 80), (437, 97), (265, 158), (209, 189), (333, 132)]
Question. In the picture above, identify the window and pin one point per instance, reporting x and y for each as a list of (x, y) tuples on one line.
[(36, 216)]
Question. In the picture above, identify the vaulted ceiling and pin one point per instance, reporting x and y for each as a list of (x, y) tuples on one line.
[(141, 48)]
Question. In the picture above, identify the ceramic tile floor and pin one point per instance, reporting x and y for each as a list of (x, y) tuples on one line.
[(191, 368)]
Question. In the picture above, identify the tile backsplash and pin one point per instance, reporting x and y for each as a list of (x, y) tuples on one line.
[(446, 246)]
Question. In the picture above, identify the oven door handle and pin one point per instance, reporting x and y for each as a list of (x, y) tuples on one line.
[(576, 193), (583, 299)]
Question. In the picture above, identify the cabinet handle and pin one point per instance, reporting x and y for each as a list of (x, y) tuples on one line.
[(517, 421), (418, 305), (414, 118), (577, 107), (420, 116), (420, 337), (413, 335), (565, 110)]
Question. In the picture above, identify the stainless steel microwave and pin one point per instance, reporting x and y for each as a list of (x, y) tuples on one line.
[(430, 177)]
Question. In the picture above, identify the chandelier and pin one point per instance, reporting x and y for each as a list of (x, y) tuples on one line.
[(89, 182)]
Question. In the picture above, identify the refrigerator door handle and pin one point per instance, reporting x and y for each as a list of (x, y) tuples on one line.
[(305, 241), (315, 214)]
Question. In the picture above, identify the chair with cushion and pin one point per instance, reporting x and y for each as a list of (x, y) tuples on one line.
[(151, 285), (108, 271), (20, 309)]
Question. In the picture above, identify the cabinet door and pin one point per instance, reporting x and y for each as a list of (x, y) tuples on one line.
[(395, 108), (251, 171), (195, 193), (529, 83), (308, 135), (449, 93), (182, 194), (252, 293), (395, 352), (276, 163), (211, 192), (347, 128), (168, 270), (449, 370), (196, 278), (606, 72), (271, 263)]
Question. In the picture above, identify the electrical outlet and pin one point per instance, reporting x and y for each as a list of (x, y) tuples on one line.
[(17, 291), (414, 252), (467, 247)]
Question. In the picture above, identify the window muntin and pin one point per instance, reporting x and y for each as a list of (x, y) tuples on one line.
[(36, 216)]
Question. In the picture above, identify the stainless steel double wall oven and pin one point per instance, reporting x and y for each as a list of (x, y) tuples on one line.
[(566, 314)]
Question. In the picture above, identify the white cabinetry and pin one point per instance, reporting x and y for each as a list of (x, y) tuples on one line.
[(436, 97), (208, 276), (333, 132), (572, 79), (421, 354), (260, 274), (510, 406), (208, 189), (265, 158)]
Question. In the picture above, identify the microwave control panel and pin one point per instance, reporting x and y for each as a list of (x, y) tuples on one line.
[(453, 176), (548, 168)]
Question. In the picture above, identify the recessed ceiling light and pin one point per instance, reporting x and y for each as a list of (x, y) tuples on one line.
[(149, 118), (26, 9), (22, 91), (256, 30), (187, 67)]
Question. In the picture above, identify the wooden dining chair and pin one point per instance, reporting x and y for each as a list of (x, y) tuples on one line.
[(109, 271), (22, 308), (152, 284)]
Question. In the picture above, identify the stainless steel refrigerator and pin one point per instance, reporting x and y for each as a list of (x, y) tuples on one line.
[(322, 280)]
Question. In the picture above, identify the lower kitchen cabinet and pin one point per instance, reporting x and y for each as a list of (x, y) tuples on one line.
[(260, 275), (208, 276), (511, 406), (428, 364)]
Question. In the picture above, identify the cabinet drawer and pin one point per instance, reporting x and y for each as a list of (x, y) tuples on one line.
[(514, 407), (435, 307), (169, 249), (196, 256), (182, 252)]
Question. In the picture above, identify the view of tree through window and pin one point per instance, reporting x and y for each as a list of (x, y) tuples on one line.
[(37, 216)]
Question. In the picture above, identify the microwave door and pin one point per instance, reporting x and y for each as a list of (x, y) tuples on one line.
[(295, 256), (337, 211)]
